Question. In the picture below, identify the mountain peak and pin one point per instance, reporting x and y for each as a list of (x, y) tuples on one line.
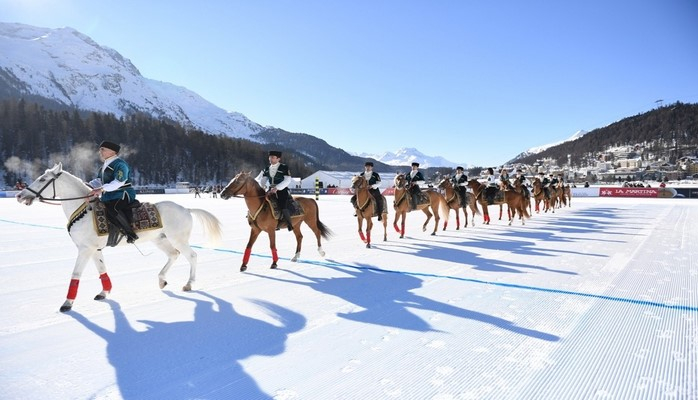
[(70, 68), (408, 155)]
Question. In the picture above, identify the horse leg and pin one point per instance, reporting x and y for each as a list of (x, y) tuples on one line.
[(397, 228), (429, 215), (299, 241), (173, 250), (501, 211), (102, 270), (272, 246), (486, 214), (369, 226), (385, 227), (360, 219), (254, 233), (83, 255)]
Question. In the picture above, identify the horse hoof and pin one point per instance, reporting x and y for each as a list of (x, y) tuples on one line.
[(433, 234), (368, 245), (101, 296), (163, 284), (273, 266), (243, 268), (187, 287), (67, 306)]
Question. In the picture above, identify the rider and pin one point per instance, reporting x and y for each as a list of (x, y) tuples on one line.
[(521, 178), (414, 180), (491, 188), (279, 177), (545, 183), (504, 182), (114, 184), (374, 183), (460, 181)]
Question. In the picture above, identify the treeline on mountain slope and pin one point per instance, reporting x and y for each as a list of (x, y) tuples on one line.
[(670, 131), (161, 153)]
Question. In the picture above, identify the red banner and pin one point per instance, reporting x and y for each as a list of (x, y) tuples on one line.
[(628, 192)]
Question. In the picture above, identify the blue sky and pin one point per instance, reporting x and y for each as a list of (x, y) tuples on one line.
[(475, 82)]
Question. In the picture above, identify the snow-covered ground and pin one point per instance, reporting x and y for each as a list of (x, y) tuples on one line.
[(596, 301)]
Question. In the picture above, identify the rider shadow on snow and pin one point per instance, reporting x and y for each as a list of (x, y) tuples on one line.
[(387, 299), (193, 359)]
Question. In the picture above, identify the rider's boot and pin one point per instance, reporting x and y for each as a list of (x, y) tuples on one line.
[(122, 222), (353, 202), (414, 201), (287, 217)]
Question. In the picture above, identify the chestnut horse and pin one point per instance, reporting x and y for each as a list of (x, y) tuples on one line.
[(453, 202), (539, 195), (261, 217), (567, 193), (517, 201), (478, 189), (402, 206), (366, 209)]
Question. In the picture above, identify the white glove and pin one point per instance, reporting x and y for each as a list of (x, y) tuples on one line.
[(375, 186), (95, 183)]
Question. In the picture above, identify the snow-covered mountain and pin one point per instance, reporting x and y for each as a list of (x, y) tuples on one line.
[(68, 67), (539, 149), (408, 155)]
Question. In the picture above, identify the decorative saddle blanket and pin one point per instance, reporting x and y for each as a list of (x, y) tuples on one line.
[(295, 208), (145, 217)]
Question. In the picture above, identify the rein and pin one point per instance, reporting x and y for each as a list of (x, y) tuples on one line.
[(52, 182)]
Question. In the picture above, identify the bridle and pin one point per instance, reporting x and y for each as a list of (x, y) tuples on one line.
[(242, 185), (52, 183)]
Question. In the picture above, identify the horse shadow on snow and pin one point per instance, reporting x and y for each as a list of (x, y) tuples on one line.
[(193, 359), (387, 299)]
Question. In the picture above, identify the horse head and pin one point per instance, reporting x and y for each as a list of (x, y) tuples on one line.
[(236, 186), (43, 183), (358, 182), (399, 181), (445, 183)]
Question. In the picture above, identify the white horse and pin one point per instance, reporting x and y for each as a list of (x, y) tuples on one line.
[(56, 185)]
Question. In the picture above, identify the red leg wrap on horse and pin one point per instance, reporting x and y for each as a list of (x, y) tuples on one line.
[(274, 256), (73, 289), (368, 237), (361, 235), (246, 256), (106, 282)]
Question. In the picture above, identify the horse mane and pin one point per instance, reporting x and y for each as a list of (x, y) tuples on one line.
[(68, 174)]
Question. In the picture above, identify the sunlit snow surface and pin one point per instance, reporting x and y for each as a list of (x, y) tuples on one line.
[(596, 301)]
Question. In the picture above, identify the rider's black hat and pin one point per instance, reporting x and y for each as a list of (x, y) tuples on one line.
[(415, 164), (111, 146), (459, 168), (275, 153), (368, 164)]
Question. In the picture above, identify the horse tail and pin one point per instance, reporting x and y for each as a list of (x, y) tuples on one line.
[(325, 232), (212, 226)]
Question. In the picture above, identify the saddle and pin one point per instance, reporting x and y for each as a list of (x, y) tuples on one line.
[(422, 198), (371, 199), (292, 205)]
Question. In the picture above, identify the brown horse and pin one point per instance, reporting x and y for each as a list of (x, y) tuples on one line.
[(539, 195), (567, 193), (366, 209), (453, 202), (402, 205), (478, 189), (261, 217), (517, 201)]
